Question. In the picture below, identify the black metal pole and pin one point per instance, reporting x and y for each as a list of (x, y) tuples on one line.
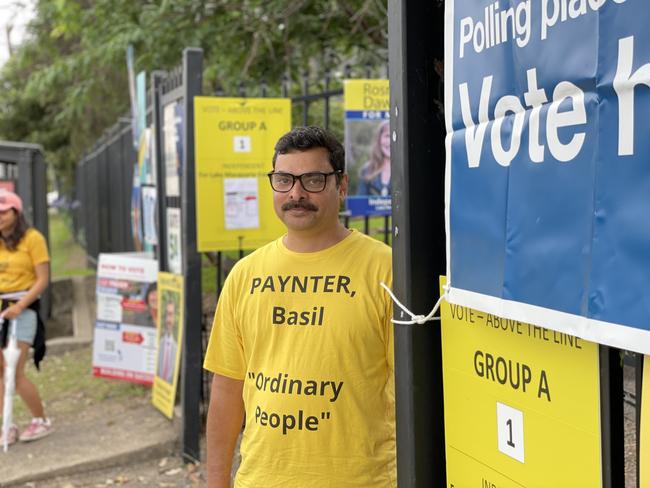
[(192, 347), (305, 104), (156, 111), (219, 271), (416, 38), (326, 110), (611, 417), (386, 229)]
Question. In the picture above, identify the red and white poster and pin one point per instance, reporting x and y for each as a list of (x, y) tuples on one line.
[(124, 345)]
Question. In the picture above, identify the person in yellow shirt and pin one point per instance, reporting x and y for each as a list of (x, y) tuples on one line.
[(24, 275), (302, 344)]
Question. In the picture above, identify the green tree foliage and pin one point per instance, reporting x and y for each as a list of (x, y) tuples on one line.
[(67, 83)]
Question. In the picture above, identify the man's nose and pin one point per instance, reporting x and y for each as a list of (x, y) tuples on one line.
[(297, 192)]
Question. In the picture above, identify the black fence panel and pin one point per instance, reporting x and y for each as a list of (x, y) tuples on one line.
[(127, 160), (76, 209), (103, 212), (104, 181), (90, 206), (115, 202)]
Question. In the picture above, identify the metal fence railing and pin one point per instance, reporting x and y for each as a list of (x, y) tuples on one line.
[(101, 215)]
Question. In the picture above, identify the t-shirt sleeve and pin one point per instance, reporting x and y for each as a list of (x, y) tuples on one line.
[(225, 353), (37, 248)]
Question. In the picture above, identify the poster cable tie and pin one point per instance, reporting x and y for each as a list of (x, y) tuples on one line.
[(415, 319)]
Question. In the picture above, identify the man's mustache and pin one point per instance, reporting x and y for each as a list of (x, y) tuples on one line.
[(299, 204)]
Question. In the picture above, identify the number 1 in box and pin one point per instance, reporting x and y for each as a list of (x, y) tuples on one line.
[(510, 431)]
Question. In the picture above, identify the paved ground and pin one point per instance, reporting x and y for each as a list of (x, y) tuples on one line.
[(112, 433), (166, 471)]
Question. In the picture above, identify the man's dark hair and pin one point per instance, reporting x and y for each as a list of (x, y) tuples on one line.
[(304, 138)]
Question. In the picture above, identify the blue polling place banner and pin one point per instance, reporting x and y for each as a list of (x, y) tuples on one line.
[(548, 164)]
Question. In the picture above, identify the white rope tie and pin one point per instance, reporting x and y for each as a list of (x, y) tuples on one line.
[(415, 319)]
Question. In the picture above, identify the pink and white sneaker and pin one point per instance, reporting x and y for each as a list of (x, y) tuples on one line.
[(12, 437), (38, 429)]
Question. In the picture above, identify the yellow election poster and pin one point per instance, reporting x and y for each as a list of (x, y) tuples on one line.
[(169, 341), (235, 138), (522, 404), (370, 96)]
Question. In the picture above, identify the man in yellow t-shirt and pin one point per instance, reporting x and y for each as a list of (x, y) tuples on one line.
[(302, 343)]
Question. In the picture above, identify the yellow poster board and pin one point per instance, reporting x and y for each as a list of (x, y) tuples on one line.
[(522, 404), (169, 341), (369, 95), (235, 140)]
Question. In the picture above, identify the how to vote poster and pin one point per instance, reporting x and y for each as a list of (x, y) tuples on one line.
[(169, 341), (124, 344), (546, 107), (235, 140), (367, 146)]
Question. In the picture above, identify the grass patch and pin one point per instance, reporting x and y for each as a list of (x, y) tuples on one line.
[(208, 276), (66, 384), (67, 257), (376, 227), (209, 270)]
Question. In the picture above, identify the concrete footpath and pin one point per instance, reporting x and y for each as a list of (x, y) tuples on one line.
[(113, 435), (120, 437)]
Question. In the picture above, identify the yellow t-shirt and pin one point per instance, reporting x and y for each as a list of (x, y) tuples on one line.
[(310, 336), (17, 268)]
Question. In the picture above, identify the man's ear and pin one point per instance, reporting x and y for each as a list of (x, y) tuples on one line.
[(343, 186)]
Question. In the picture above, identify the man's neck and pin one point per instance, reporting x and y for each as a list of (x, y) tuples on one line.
[(297, 241)]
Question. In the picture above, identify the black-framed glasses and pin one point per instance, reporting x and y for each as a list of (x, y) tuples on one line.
[(313, 182)]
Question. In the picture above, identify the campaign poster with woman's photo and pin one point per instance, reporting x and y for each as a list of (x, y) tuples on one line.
[(367, 146)]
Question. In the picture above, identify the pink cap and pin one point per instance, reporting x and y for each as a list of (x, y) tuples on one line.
[(9, 199)]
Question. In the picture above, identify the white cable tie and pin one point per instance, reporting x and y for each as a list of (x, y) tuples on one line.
[(415, 319)]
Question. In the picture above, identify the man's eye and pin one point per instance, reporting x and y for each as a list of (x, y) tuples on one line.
[(283, 180), (312, 179)]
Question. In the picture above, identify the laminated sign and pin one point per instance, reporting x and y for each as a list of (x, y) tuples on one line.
[(522, 404), (235, 140), (548, 171)]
